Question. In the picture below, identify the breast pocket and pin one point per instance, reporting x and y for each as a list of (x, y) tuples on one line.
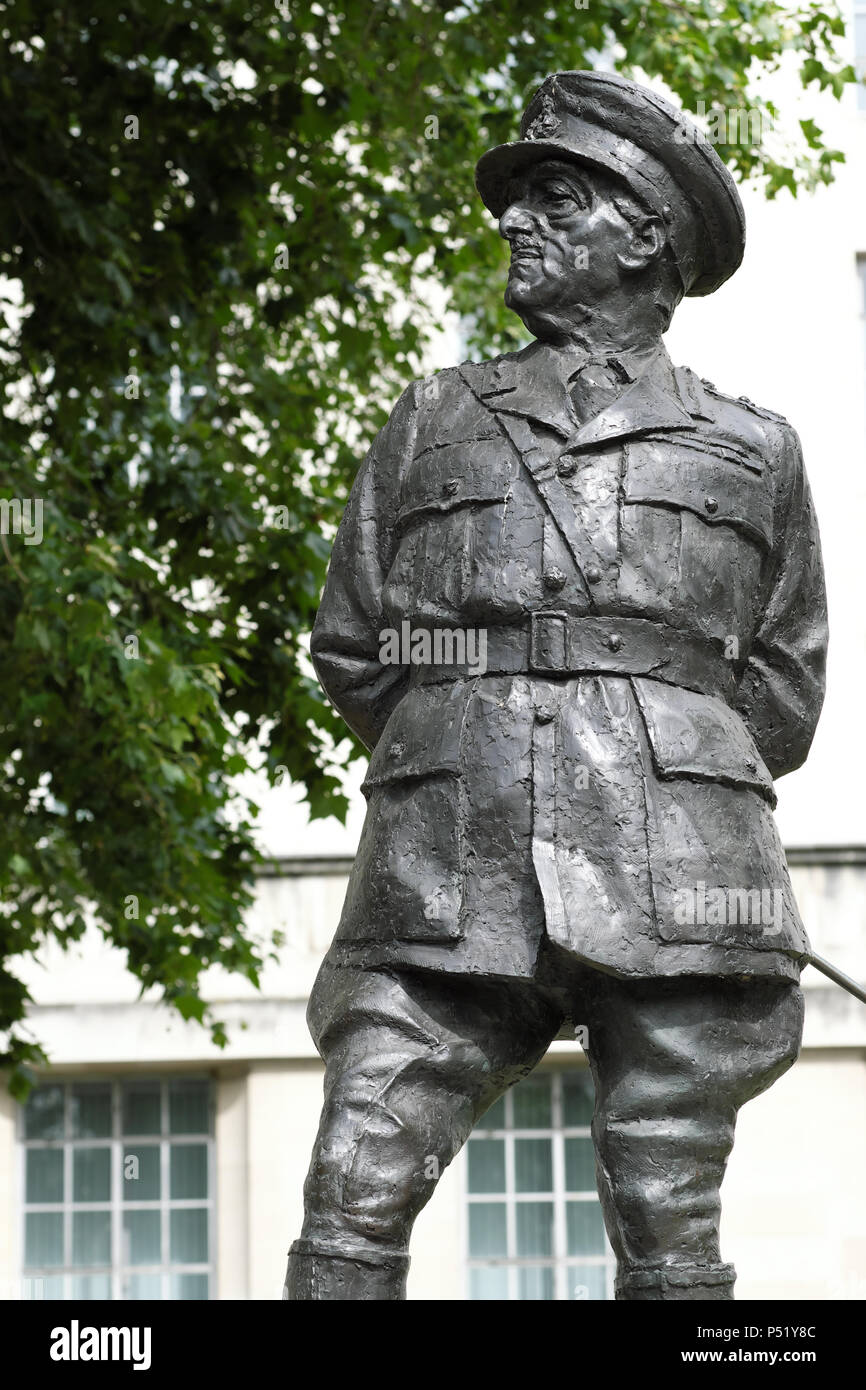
[(441, 480), (707, 483), (449, 527), (721, 501)]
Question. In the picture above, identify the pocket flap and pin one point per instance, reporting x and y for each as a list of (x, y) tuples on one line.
[(720, 491), (700, 736), (421, 737), (456, 475)]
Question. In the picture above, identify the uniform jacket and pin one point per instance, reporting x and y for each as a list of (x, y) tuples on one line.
[(651, 590)]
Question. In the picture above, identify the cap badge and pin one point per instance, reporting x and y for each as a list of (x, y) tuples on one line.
[(546, 123)]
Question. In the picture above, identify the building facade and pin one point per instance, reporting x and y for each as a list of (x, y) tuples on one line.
[(149, 1164)]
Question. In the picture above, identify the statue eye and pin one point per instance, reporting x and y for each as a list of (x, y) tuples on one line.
[(558, 194)]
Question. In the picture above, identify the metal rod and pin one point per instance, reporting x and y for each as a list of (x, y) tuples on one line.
[(838, 977)]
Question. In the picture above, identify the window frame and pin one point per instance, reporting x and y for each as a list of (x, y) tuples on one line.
[(119, 1271), (560, 1261)]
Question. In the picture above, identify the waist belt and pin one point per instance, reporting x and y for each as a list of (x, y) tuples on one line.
[(558, 644)]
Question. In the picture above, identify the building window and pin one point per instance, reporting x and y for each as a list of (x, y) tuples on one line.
[(118, 1190), (534, 1223)]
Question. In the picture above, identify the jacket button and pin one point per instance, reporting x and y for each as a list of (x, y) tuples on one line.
[(545, 714), (614, 641), (553, 578), (450, 487), (593, 574), (567, 468), (397, 750), (711, 505)]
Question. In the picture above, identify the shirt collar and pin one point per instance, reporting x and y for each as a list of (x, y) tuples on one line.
[(628, 364)]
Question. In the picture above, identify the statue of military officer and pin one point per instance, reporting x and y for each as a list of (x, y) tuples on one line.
[(577, 829)]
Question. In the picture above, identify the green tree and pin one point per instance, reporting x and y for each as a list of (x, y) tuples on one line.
[(214, 214)]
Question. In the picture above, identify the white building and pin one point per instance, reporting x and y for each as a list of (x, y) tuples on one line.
[(153, 1165)]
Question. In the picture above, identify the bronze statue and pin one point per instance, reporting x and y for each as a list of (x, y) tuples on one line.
[(576, 610)]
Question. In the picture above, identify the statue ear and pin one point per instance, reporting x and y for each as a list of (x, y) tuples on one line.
[(646, 242)]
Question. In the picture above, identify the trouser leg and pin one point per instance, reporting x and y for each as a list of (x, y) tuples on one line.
[(412, 1061), (673, 1061)]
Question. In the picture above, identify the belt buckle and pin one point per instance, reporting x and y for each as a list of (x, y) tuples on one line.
[(548, 643)]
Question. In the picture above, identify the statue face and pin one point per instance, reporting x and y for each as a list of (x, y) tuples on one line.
[(570, 246)]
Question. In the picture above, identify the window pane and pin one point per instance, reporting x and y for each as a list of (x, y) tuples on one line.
[(535, 1282), (189, 1286), (587, 1281), (487, 1231), (90, 1111), (579, 1165), (43, 1114), (188, 1107), (141, 1238), (141, 1108), (487, 1165), (188, 1170), (91, 1175), (140, 1176), (535, 1228), (494, 1117), (533, 1197), (91, 1237), (43, 1239), (488, 1283), (578, 1097), (533, 1165), (44, 1182), (86, 1286), (139, 1286), (39, 1287), (189, 1236), (532, 1103), (585, 1228)]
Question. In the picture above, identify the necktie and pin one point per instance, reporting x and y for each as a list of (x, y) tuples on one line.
[(593, 386)]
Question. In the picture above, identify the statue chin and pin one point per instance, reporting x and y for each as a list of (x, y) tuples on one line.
[(544, 321), (549, 301), (526, 301)]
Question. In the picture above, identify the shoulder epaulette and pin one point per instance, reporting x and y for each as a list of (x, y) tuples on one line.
[(744, 401)]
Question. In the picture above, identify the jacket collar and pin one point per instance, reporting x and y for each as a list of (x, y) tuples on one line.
[(533, 383)]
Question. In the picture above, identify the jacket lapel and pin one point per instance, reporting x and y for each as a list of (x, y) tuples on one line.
[(530, 384), (651, 403)]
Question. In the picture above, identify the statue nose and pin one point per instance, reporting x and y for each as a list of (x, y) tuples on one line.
[(515, 218)]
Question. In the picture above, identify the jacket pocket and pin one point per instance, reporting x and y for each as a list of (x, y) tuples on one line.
[(694, 735), (422, 736), (455, 475), (704, 481), (407, 881)]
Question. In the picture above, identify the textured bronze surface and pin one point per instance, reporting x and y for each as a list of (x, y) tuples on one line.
[(576, 611)]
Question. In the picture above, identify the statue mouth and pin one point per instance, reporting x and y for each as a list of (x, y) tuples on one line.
[(524, 253)]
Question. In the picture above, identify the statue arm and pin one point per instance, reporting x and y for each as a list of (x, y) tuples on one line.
[(782, 688), (346, 639)]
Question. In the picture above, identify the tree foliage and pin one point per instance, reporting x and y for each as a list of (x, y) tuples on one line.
[(219, 225)]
